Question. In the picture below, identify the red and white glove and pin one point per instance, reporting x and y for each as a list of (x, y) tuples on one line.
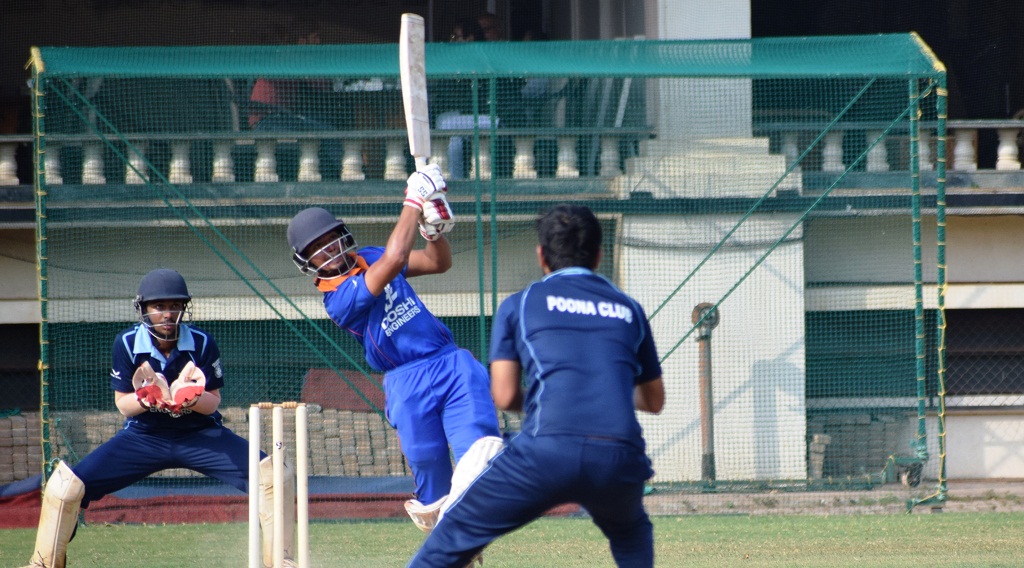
[(434, 232), (424, 185), (150, 387), (437, 210), (437, 219), (186, 390)]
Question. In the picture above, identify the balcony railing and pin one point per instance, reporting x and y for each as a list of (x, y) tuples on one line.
[(604, 146), (606, 152)]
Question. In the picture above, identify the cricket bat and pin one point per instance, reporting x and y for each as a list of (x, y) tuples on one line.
[(411, 47)]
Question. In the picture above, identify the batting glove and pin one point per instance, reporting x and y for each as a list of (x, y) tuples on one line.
[(437, 210), (424, 185), (432, 232)]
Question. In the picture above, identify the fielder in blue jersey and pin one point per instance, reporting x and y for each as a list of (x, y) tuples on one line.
[(436, 394), (166, 376), (584, 351)]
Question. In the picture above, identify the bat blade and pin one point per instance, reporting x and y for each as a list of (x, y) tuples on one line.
[(412, 65)]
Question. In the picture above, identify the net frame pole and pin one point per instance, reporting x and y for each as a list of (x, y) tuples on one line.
[(39, 162)]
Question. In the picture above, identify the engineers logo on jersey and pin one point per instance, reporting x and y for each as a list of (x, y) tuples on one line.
[(395, 316)]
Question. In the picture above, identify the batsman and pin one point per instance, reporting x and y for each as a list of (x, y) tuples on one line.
[(436, 394), (166, 377)]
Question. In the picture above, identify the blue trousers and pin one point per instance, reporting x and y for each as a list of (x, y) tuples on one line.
[(132, 455), (436, 402), (532, 475)]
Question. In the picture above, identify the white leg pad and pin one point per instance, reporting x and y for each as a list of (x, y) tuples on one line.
[(62, 499), (472, 464), (424, 516), (267, 512)]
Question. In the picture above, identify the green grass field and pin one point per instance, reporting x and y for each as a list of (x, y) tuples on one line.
[(919, 540)]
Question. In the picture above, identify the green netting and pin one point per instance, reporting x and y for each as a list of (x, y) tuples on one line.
[(758, 177)]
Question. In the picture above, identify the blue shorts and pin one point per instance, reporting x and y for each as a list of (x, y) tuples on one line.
[(444, 400), (533, 474)]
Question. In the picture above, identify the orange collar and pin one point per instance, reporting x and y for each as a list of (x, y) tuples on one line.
[(333, 284)]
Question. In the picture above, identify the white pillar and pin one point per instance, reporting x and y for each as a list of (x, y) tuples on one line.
[(394, 159), (832, 153), (135, 172), (51, 165), (266, 161), (439, 156), (567, 158), (964, 154), (485, 159), (180, 170), (309, 160), (609, 157), (524, 164), (878, 157), (1007, 152), (223, 163), (8, 164), (924, 151), (92, 164), (352, 161)]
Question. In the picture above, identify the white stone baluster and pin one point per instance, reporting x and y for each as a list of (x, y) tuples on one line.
[(791, 151), (394, 159), (924, 151), (352, 161), (524, 166), (964, 155), (309, 160), (1006, 154), (135, 171), (92, 163), (8, 164), (609, 157), (439, 156), (266, 162), (180, 170), (832, 153), (567, 159), (223, 163), (51, 165), (485, 159), (878, 156)]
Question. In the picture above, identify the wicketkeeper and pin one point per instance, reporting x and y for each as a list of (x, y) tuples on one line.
[(436, 394), (166, 376)]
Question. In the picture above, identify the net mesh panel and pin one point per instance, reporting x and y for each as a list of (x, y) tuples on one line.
[(726, 173)]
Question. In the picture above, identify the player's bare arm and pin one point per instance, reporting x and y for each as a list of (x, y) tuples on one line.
[(208, 403), (128, 404), (436, 258), (650, 396), (396, 252), (505, 384)]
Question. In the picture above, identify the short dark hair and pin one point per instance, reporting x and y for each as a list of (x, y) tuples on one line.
[(570, 235)]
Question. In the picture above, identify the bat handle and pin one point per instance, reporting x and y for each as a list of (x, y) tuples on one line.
[(420, 163)]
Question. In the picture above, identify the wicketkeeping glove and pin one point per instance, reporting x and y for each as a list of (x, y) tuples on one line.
[(150, 387), (189, 386), (424, 185)]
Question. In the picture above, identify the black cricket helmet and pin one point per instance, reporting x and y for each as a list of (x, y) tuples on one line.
[(163, 284), (332, 259)]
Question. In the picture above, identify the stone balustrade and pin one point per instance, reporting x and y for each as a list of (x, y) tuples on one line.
[(556, 156), (531, 154)]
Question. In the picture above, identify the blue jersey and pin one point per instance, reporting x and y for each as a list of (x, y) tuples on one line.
[(395, 327), (583, 345), (134, 346)]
